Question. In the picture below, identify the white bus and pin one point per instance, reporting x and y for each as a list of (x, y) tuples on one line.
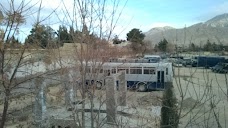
[(141, 76)]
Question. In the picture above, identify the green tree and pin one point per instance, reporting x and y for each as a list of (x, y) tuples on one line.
[(81, 36), (136, 37), (14, 43), (1, 16), (41, 36), (221, 47), (169, 111), (63, 35), (215, 47), (116, 40), (162, 45), (208, 46), (192, 47)]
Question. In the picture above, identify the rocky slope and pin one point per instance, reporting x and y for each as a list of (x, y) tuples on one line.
[(215, 29)]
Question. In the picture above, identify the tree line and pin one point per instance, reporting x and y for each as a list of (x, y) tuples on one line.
[(138, 44), (46, 37), (208, 46)]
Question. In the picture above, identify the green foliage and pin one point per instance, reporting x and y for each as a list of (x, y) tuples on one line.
[(210, 47), (1, 16), (42, 36), (80, 36), (162, 45), (116, 40), (13, 42), (192, 47), (1, 35), (135, 35), (169, 114), (64, 36)]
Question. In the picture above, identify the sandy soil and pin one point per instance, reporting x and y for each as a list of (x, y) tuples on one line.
[(202, 95), (197, 90)]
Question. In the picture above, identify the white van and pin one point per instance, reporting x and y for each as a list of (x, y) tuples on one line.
[(153, 58)]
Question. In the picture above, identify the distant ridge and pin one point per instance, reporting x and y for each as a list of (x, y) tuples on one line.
[(215, 29)]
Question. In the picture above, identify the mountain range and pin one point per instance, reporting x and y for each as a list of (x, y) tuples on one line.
[(214, 30)]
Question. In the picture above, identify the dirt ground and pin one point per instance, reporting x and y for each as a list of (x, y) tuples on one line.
[(21, 107), (202, 96), (197, 90)]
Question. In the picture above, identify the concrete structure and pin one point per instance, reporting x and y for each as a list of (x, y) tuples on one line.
[(69, 89), (63, 118), (122, 89), (40, 102), (62, 123), (111, 103)]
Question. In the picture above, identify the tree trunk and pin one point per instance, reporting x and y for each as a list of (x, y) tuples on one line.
[(83, 112), (83, 102), (92, 116), (6, 106)]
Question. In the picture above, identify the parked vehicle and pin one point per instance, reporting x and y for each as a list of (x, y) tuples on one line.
[(152, 58), (189, 62), (216, 67), (209, 61), (141, 76), (224, 69), (178, 63), (220, 68)]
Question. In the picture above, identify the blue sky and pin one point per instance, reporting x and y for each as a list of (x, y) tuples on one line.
[(143, 14), (175, 13)]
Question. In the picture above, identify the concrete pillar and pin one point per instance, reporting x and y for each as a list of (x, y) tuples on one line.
[(111, 104), (69, 90), (122, 91), (74, 82), (40, 102)]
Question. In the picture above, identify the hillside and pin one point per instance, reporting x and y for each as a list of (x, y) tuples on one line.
[(215, 29)]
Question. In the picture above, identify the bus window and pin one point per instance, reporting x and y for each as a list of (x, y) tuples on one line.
[(127, 71), (149, 70), (106, 72), (113, 71), (136, 70), (123, 69), (88, 69), (97, 70), (93, 70)]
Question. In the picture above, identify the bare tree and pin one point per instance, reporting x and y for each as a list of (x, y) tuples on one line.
[(92, 24), (17, 68), (201, 96), (13, 17)]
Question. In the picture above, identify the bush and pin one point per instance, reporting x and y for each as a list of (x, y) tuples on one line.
[(23, 118), (169, 116)]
